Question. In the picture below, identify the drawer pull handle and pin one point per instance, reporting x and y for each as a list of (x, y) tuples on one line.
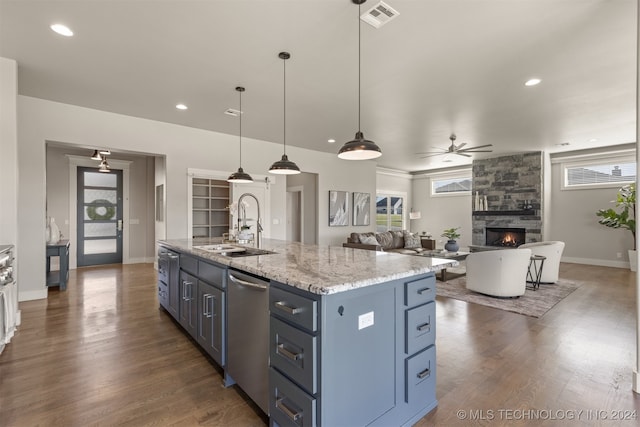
[(289, 355), (294, 416), (424, 327), (284, 307), (423, 290), (424, 374)]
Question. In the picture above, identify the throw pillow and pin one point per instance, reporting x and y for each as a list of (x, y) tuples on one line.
[(368, 240), (411, 241), (385, 239)]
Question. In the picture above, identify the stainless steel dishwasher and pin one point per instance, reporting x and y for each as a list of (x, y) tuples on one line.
[(248, 335)]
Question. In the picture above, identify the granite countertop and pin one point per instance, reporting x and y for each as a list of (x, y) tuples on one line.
[(321, 270)]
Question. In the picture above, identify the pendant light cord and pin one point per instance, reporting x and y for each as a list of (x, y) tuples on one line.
[(284, 108), (240, 129), (359, 72)]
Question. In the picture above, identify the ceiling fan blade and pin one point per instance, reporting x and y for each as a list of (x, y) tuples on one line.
[(434, 152), (477, 147), (460, 153), (462, 145), (432, 155), (477, 151)]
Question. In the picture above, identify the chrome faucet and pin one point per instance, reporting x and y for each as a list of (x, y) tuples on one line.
[(243, 216)]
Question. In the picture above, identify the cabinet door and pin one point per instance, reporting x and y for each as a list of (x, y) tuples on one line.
[(358, 347), (211, 321), (188, 308)]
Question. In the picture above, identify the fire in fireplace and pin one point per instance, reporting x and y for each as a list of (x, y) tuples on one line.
[(505, 237)]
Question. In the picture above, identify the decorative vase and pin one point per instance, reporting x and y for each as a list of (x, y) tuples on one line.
[(451, 246), (54, 232)]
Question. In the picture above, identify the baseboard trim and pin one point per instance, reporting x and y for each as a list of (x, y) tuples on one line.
[(141, 260), (32, 295), (598, 262)]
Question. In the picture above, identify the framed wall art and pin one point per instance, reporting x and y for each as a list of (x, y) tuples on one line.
[(338, 208), (361, 208)]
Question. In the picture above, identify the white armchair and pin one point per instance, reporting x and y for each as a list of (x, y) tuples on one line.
[(553, 251), (500, 273)]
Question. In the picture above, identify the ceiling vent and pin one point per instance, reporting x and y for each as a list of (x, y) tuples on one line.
[(379, 15), (232, 112)]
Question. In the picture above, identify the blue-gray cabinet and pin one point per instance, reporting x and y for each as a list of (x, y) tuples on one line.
[(188, 313), (193, 291), (360, 357), (211, 319)]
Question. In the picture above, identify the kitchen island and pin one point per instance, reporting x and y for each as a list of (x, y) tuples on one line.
[(349, 334)]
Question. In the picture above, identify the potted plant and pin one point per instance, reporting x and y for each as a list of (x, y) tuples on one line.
[(451, 234), (624, 218)]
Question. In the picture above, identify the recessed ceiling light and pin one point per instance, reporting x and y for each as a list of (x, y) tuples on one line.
[(331, 141), (232, 112), (532, 82), (181, 107), (62, 30), (593, 140)]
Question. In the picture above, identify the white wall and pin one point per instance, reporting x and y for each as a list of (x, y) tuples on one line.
[(574, 221), (183, 148), (141, 196), (8, 152), (441, 212)]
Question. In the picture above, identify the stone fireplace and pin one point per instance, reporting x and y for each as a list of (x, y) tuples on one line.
[(512, 186)]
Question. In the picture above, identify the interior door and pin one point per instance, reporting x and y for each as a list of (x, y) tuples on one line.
[(99, 217)]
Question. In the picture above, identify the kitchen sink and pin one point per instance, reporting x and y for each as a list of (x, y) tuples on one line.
[(233, 251)]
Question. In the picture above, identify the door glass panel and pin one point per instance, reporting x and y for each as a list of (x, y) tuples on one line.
[(100, 196), (99, 229), (101, 246), (99, 213), (99, 179), (395, 213), (381, 213)]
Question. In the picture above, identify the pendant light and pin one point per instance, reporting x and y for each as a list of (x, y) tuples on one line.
[(359, 148), (284, 166), (104, 166), (240, 177)]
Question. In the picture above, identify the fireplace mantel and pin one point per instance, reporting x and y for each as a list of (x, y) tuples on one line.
[(504, 213)]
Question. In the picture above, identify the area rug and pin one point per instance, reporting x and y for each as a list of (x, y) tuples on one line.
[(532, 303)]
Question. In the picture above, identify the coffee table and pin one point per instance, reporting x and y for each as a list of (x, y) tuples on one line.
[(458, 256)]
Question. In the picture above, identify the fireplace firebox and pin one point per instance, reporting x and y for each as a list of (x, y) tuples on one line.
[(505, 237)]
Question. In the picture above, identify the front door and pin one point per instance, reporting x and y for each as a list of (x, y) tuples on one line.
[(99, 217)]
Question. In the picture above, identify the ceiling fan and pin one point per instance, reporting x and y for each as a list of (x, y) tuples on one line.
[(457, 149)]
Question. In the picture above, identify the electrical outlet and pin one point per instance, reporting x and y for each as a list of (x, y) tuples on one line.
[(619, 254)]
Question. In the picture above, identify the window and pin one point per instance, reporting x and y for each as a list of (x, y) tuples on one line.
[(603, 172), (389, 212), (451, 184)]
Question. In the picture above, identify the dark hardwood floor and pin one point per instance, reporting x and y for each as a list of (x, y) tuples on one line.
[(103, 353)]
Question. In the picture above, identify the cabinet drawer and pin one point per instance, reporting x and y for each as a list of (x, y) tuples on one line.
[(294, 353), (163, 294), (189, 264), (420, 323), (295, 308), (211, 274), (420, 291), (288, 404), (163, 268), (420, 377)]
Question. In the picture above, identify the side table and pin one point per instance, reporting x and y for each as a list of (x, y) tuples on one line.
[(534, 273), (58, 278)]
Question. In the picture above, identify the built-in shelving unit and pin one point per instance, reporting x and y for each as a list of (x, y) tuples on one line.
[(210, 213)]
